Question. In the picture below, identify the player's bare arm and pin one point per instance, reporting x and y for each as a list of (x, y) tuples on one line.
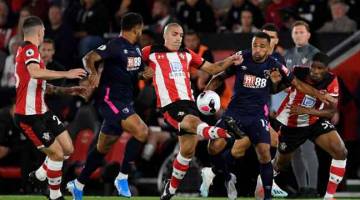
[(89, 61), (327, 112), (215, 68), (216, 81), (57, 90), (307, 89), (37, 73)]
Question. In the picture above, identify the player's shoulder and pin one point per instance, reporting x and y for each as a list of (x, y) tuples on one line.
[(28, 47)]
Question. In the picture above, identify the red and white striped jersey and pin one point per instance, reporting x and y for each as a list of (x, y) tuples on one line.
[(171, 72), (29, 92), (295, 97)]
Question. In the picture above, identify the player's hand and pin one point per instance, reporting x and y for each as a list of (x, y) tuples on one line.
[(298, 110), (94, 80), (147, 73), (236, 58), (275, 76), (77, 73), (327, 98)]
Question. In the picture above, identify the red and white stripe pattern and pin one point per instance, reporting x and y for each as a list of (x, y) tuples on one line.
[(172, 74), (29, 92), (337, 172), (54, 174), (180, 167), (211, 132), (298, 98)]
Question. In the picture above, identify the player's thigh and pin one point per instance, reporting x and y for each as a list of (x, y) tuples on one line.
[(215, 146), (136, 127), (332, 143), (188, 144), (240, 146), (105, 142), (65, 142)]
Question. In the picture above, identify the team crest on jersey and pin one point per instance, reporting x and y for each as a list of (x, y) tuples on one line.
[(243, 67), (176, 70), (282, 146), (266, 74), (102, 47), (29, 52), (46, 136), (125, 110), (126, 51), (308, 101), (251, 81)]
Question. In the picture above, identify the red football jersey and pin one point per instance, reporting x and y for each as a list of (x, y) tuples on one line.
[(171, 72), (329, 84), (29, 92)]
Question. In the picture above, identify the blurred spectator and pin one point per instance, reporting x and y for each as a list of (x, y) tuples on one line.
[(233, 17), (160, 15), (246, 23), (147, 38), (340, 22), (119, 8), (272, 12), (92, 23), (47, 51), (314, 12), (198, 77), (24, 12), (62, 35), (37, 7), (220, 8), (8, 76), (6, 32), (197, 15)]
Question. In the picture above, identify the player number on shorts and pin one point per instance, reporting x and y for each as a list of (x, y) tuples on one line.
[(55, 118), (326, 125)]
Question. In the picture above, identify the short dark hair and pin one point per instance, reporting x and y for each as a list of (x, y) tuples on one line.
[(262, 35), (269, 27), (48, 40), (130, 20), (301, 23), (31, 22), (192, 32), (322, 58)]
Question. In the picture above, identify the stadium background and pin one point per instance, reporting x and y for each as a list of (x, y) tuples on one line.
[(78, 26)]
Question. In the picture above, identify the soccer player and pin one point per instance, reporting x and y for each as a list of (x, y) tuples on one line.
[(233, 149), (171, 64), (114, 100), (249, 105), (304, 117), (39, 124)]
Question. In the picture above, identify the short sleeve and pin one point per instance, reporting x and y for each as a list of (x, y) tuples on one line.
[(196, 60), (109, 50), (31, 54), (333, 88), (145, 54), (287, 75)]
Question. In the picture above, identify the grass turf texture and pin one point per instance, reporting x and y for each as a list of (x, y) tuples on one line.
[(27, 197)]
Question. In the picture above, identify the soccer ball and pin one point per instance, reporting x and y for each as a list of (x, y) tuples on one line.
[(208, 102)]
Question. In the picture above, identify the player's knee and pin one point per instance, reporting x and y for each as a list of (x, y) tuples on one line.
[(142, 133), (69, 150), (56, 155), (189, 123), (264, 155), (340, 153), (104, 147), (237, 152), (216, 146)]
